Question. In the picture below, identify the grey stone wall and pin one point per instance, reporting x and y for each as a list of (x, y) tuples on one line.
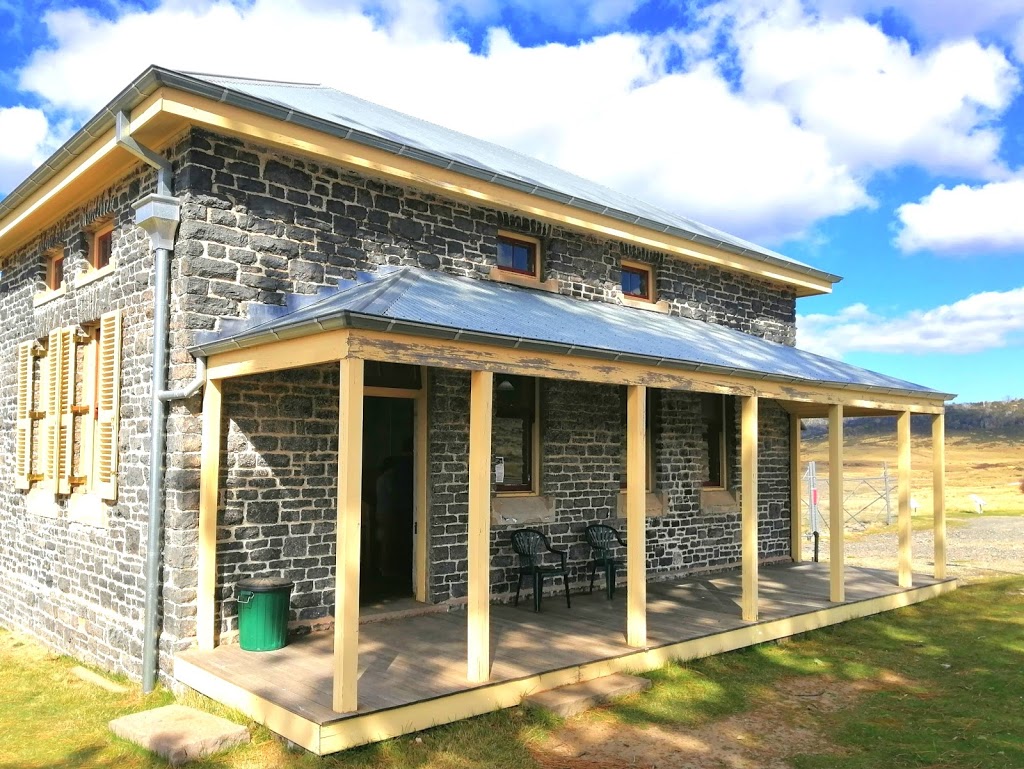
[(257, 226), (80, 587)]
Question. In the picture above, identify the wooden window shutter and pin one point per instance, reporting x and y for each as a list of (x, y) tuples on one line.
[(23, 427), (108, 405), (52, 401), (67, 401)]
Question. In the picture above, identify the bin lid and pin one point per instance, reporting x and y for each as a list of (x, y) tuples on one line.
[(265, 584)]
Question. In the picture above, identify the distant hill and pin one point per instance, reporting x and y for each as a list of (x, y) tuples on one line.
[(1004, 418)]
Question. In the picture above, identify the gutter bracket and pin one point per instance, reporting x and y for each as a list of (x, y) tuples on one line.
[(159, 162)]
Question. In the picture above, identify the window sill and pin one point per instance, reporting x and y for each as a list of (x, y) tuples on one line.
[(718, 501), (48, 296), (643, 304), (87, 509), (521, 509), (654, 504), (90, 276), (42, 503), (499, 275)]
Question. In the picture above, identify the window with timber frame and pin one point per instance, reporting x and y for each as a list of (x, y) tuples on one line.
[(68, 406), (718, 417), (519, 254), (515, 434)]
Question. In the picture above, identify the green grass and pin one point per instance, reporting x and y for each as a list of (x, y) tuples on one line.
[(941, 685)]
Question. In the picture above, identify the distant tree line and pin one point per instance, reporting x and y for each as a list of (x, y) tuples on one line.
[(1002, 418)]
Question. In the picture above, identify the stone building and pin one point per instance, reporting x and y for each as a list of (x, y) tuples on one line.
[(245, 221)]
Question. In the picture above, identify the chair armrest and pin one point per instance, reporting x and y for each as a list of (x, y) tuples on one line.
[(620, 539), (563, 554)]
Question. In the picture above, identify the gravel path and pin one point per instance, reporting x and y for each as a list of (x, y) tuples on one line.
[(978, 548)]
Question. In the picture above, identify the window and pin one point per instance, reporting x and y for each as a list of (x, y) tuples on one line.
[(637, 281), (515, 433), (519, 254), (102, 247), (55, 269), (648, 434), (67, 417), (718, 419)]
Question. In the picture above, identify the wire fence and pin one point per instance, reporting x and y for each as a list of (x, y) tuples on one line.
[(866, 501)]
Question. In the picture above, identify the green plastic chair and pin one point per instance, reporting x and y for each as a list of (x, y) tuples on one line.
[(532, 547), (605, 541)]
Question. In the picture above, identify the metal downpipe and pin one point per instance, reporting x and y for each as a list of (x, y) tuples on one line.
[(157, 447)]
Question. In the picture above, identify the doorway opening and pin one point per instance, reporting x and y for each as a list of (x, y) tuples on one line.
[(386, 563)]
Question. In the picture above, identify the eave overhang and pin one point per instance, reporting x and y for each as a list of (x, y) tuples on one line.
[(163, 103)]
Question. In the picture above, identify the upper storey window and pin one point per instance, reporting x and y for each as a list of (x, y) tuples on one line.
[(637, 280), (55, 270), (102, 247), (519, 254)]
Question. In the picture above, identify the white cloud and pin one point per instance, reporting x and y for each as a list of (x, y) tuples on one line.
[(26, 143), (965, 219), (984, 321), (607, 108), (937, 19), (877, 102)]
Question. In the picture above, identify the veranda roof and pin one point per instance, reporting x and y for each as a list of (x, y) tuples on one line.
[(434, 304)]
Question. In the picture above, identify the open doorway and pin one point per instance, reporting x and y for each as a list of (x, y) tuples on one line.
[(386, 567)]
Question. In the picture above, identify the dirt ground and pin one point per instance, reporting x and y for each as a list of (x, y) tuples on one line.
[(769, 734)]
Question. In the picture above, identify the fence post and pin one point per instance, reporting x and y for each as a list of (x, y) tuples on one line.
[(885, 482)]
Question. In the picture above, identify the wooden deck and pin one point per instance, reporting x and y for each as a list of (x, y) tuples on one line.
[(412, 671)]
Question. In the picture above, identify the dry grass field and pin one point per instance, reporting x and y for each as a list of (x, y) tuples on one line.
[(989, 466)]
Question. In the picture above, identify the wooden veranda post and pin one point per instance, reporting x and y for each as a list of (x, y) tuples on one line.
[(837, 515), (209, 491), (346, 575), (478, 646), (939, 492), (904, 523), (796, 544), (636, 516), (748, 506)]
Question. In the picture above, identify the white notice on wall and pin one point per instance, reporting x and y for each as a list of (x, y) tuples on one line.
[(499, 469)]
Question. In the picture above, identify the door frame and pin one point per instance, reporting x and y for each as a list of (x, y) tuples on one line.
[(419, 461)]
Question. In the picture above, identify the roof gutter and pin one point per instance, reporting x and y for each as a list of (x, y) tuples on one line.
[(155, 77), (350, 319)]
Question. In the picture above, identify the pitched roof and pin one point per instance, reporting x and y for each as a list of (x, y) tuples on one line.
[(335, 113), (435, 304)]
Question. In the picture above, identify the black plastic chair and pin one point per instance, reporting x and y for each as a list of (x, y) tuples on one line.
[(532, 547), (604, 540)]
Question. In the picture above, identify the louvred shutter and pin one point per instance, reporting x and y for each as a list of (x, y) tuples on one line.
[(108, 405), (23, 427), (52, 401), (67, 400)]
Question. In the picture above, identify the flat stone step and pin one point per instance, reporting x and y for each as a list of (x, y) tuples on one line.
[(179, 734), (570, 700)]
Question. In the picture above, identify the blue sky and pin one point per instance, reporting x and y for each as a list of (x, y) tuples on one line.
[(880, 141)]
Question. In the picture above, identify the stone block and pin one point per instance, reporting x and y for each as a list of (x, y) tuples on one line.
[(179, 734)]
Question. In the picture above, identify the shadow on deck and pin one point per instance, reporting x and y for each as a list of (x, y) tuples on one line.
[(412, 671)]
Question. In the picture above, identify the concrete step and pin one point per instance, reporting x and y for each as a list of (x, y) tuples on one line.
[(179, 734), (569, 700)]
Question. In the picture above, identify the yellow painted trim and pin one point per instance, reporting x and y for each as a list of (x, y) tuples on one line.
[(939, 492), (391, 392), (209, 493), (289, 725), (904, 523), (307, 141), (837, 515), (346, 570), (748, 507), (45, 297), (636, 516), (459, 354), (91, 276), (421, 483), (325, 347), (374, 727), (795, 484), (57, 193), (478, 608)]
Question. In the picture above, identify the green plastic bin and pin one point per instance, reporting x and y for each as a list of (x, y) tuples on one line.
[(263, 613)]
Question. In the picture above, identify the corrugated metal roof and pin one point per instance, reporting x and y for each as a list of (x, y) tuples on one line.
[(433, 303), (419, 139), (339, 114)]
